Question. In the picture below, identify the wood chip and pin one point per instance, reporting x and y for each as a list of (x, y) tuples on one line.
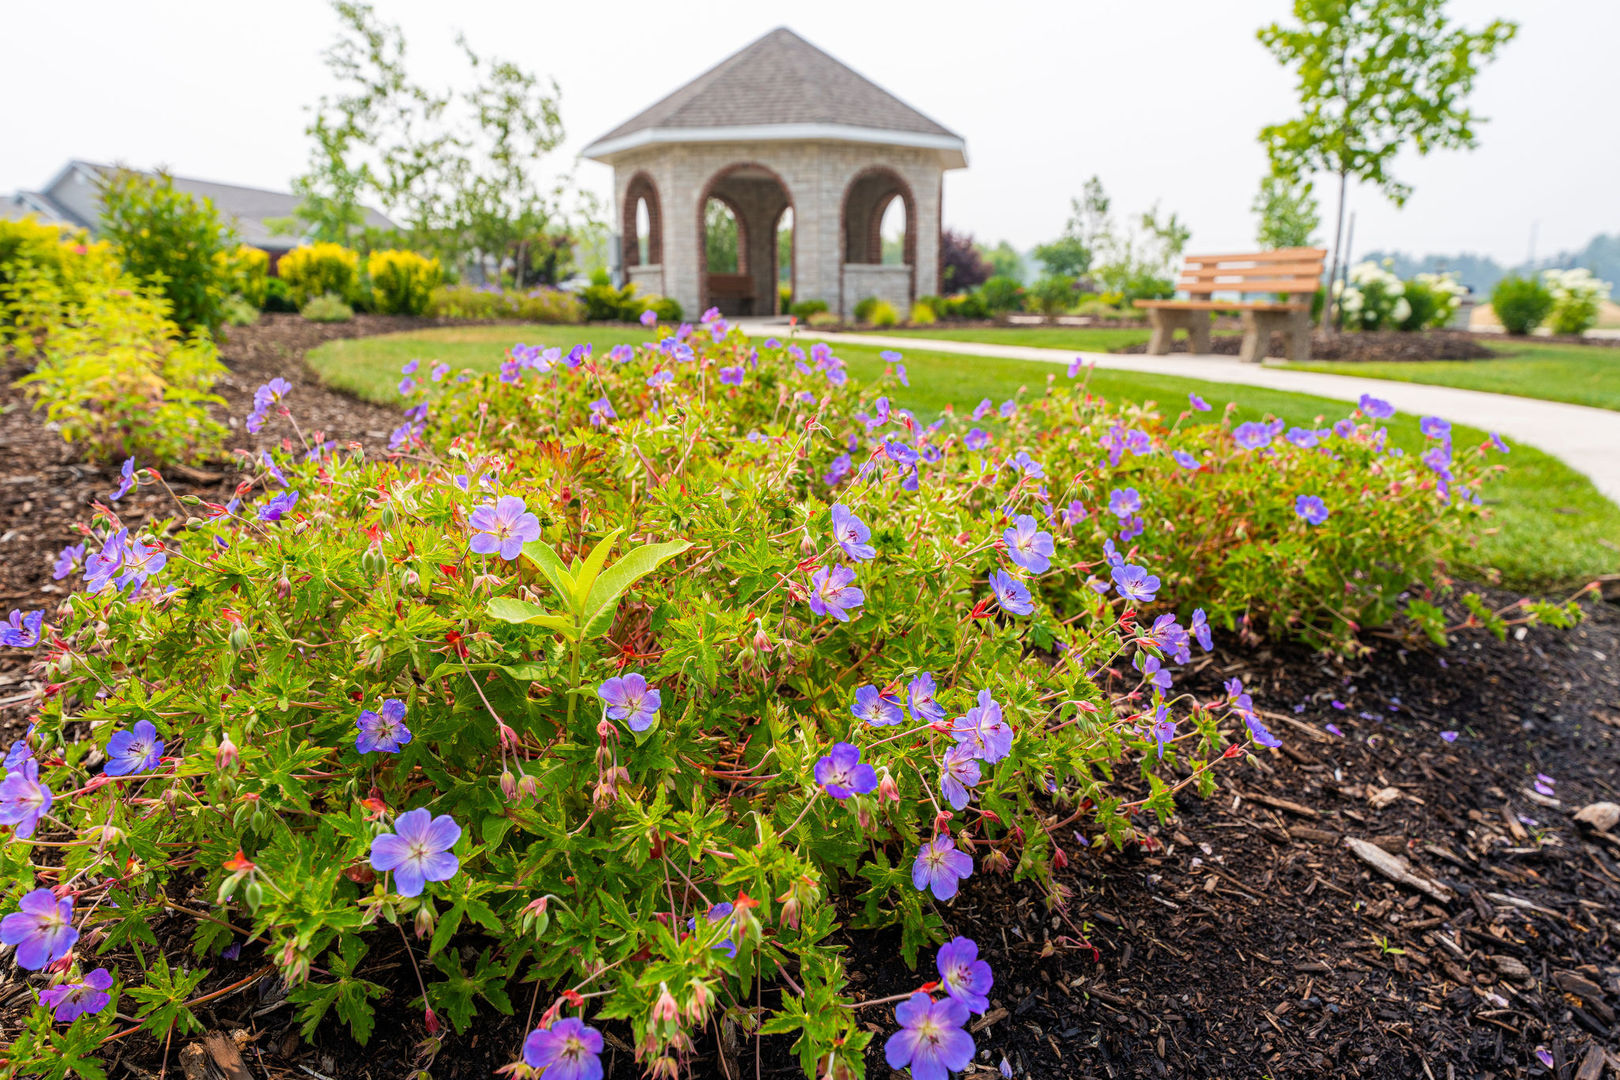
[(1281, 804), (1591, 1065), (1602, 816), (987, 1019), (1396, 868)]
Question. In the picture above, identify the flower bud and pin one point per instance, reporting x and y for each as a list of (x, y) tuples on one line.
[(605, 795), (432, 1020), (509, 786), (528, 786), (240, 639), (605, 730), (225, 757), (762, 641), (373, 562), (424, 921), (697, 1006), (790, 911), (942, 822), (283, 586), (664, 1010), (1059, 859), (412, 579), (996, 862), (888, 790)]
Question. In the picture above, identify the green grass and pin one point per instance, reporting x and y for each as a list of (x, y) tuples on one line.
[(1550, 527), (1579, 374), (1089, 339)]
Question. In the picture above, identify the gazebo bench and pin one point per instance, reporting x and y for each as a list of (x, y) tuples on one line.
[(1290, 276)]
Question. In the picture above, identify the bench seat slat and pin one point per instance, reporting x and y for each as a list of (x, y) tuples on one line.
[(1279, 255), (1251, 285), (1221, 305)]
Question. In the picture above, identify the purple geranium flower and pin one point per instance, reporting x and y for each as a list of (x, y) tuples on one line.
[(833, 592), (630, 699), (1496, 441), (939, 867), (66, 559), (963, 975), (1376, 408), (1304, 438), (1010, 593), (126, 480), (503, 528), (23, 798), (418, 850), (837, 469), (1164, 730), (382, 732), (1076, 366), (1154, 673), (278, 506), (874, 707), (1200, 629), (69, 1001), (920, 696), (1449, 736), (982, 409), (1123, 502), (1186, 460), (648, 318), (1434, 427), (1252, 435), (930, 1040), (958, 771), (134, 751), (984, 730), (440, 370), (569, 1049), (1008, 408), (851, 533), (41, 928), (1028, 546), (22, 631), (1028, 465), (1135, 583), (1198, 403), (731, 376), (977, 439), (843, 774), (1311, 508), (602, 412)]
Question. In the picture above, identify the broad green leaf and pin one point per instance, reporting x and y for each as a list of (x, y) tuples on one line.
[(617, 579), (545, 558), (509, 609), (585, 576)]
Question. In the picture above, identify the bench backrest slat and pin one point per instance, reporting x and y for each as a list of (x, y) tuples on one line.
[(1291, 271)]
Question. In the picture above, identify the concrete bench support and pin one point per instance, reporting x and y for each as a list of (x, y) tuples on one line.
[(1258, 326), (1166, 321)]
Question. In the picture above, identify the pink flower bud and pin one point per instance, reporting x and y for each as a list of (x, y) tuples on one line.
[(507, 737), (225, 757), (942, 822), (665, 1010), (432, 1021), (424, 921), (509, 786), (888, 790), (528, 786)]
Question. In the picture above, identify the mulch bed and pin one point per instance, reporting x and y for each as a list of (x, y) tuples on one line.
[(1363, 346), (1245, 940)]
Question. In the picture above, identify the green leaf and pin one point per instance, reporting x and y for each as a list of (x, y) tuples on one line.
[(617, 579), (586, 575), (549, 563), (511, 610)]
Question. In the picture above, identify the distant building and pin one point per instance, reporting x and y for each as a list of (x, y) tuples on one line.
[(73, 198), (780, 126)]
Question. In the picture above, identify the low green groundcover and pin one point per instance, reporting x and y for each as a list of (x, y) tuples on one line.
[(631, 662)]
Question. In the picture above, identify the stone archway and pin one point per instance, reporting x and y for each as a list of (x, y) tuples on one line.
[(862, 272), (647, 273), (757, 197)]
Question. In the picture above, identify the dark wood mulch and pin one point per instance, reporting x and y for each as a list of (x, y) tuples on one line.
[(1364, 346), (1246, 940)]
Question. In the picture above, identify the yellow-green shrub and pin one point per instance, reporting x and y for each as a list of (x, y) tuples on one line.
[(542, 305), (116, 374), (922, 314), (402, 282), (43, 255), (246, 271), (319, 269)]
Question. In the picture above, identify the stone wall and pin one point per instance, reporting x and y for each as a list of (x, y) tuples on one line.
[(891, 283), (816, 177)]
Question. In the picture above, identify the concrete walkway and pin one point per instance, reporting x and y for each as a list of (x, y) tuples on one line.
[(1584, 438)]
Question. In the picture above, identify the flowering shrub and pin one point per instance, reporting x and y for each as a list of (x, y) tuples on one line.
[(1576, 296), (632, 661), (1373, 298), (246, 271), (1433, 300), (318, 269), (402, 282), (541, 305)]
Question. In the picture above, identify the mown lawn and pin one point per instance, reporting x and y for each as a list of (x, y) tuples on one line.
[(1080, 338), (1579, 374), (1550, 528)]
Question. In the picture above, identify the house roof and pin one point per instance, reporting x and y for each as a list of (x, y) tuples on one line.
[(780, 87), (251, 209)]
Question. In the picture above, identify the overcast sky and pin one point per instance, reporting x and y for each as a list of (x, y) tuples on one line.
[(1161, 98)]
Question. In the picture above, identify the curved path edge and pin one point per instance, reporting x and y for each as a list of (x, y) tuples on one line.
[(1584, 438)]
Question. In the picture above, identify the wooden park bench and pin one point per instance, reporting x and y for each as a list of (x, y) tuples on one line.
[(1289, 277)]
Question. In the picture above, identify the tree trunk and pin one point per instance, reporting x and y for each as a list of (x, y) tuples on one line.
[(1330, 310)]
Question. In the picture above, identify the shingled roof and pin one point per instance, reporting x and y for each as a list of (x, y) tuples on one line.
[(781, 86)]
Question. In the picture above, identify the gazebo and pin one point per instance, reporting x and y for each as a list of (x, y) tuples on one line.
[(780, 133)]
